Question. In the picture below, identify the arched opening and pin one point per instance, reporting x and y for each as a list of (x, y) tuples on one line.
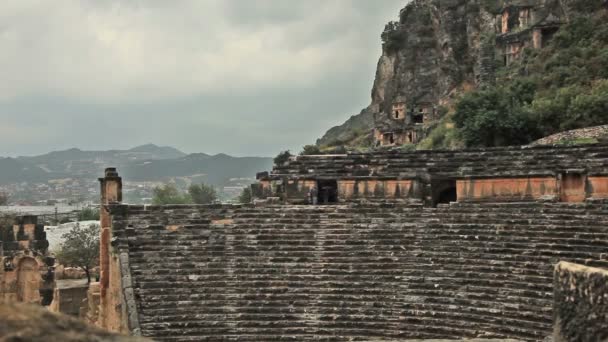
[(28, 281), (447, 196), (444, 192), (328, 191)]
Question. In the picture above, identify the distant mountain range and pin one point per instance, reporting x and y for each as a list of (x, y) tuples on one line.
[(142, 163)]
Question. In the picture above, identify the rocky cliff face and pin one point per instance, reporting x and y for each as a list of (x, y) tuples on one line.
[(429, 55)]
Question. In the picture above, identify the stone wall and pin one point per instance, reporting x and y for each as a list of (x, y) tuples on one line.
[(581, 303), (68, 296), (26, 271), (352, 272), (561, 173), (507, 189)]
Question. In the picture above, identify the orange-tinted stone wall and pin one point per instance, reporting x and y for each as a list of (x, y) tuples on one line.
[(505, 22), (497, 189), (598, 186), (351, 189)]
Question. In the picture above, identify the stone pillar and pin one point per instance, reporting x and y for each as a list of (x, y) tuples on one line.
[(111, 192)]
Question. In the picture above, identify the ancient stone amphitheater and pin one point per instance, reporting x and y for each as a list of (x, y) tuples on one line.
[(382, 268)]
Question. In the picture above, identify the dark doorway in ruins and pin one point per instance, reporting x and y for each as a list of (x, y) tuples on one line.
[(444, 192), (418, 118), (328, 191), (547, 35)]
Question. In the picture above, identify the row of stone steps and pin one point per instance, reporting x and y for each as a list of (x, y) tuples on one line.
[(355, 272), (500, 161)]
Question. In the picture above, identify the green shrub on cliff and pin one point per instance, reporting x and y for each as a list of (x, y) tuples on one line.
[(560, 87), (496, 116)]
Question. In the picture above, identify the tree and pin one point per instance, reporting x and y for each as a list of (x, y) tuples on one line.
[(282, 158), (202, 193), (245, 196), (80, 248), (169, 194), (88, 214), (497, 116), (3, 198)]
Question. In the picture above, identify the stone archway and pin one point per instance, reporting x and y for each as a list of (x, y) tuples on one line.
[(28, 280)]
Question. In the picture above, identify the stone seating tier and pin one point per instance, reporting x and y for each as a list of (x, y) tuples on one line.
[(383, 271), (495, 162)]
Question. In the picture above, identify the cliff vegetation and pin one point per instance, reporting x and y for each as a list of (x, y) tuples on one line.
[(446, 53)]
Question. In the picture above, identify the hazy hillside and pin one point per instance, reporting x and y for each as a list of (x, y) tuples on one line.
[(14, 170), (216, 168), (142, 163), (78, 162)]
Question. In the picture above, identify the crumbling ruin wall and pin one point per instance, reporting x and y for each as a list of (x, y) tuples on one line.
[(506, 189), (68, 297), (26, 271), (112, 304), (581, 308), (559, 173), (352, 272)]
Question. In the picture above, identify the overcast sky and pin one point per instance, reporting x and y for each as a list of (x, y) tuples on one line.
[(243, 77)]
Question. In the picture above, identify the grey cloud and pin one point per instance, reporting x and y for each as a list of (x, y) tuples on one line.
[(241, 77)]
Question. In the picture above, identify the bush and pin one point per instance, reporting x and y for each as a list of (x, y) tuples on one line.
[(393, 37), (310, 150), (496, 116)]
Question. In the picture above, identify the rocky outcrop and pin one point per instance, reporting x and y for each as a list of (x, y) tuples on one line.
[(575, 135), (355, 127), (429, 55), (580, 313)]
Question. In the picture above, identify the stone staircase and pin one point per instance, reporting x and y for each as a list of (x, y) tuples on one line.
[(354, 273)]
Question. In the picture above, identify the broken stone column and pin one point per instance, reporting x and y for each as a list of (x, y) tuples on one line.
[(110, 303)]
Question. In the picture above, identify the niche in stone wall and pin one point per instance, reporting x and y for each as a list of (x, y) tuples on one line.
[(388, 139), (398, 111), (28, 281), (573, 187)]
